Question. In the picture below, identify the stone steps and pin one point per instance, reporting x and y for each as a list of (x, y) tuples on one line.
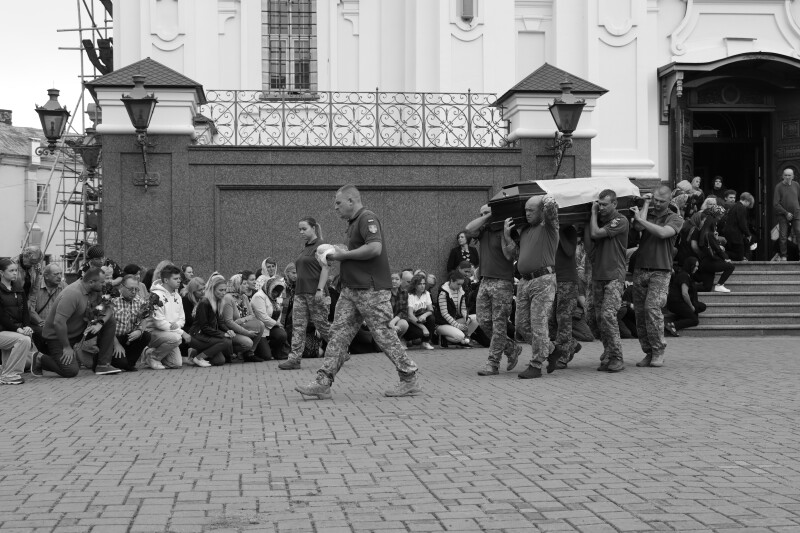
[(764, 300)]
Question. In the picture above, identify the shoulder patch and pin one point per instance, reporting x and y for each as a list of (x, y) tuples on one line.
[(372, 228), (615, 222)]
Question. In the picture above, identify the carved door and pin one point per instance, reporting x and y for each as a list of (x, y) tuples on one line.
[(682, 167)]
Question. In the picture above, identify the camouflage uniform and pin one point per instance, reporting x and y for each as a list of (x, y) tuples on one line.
[(373, 307), (566, 301), (608, 295), (534, 303), (650, 289), (306, 306), (493, 307)]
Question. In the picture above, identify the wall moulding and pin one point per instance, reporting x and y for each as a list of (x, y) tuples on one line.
[(743, 19), (350, 12), (167, 22)]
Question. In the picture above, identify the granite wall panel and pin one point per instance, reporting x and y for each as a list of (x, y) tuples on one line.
[(227, 208)]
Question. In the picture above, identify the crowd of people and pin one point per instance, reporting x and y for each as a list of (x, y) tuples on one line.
[(544, 284)]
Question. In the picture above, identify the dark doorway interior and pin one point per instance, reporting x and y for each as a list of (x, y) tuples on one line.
[(733, 145)]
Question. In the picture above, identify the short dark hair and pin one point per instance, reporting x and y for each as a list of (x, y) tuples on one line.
[(464, 264), (455, 275), (608, 193), (728, 192), (132, 269), (92, 274), (169, 271), (246, 274)]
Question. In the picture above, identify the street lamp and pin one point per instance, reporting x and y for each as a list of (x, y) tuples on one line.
[(54, 120), (566, 111), (140, 107)]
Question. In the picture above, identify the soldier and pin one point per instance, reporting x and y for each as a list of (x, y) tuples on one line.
[(607, 236), (364, 275), (566, 295), (495, 294), (660, 228), (538, 241)]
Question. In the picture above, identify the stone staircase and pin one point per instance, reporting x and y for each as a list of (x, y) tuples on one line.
[(764, 300)]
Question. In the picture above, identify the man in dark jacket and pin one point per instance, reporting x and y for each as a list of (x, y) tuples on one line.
[(736, 230)]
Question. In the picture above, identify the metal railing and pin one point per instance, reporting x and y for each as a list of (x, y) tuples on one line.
[(355, 119)]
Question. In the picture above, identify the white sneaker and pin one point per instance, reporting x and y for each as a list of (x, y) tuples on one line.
[(427, 346), (721, 288), (156, 365), (202, 363)]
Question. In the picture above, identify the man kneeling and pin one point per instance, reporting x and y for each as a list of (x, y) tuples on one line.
[(168, 321)]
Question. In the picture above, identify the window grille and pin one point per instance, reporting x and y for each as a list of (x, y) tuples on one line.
[(43, 197), (289, 53)]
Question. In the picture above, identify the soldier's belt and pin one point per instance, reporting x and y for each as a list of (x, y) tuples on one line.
[(539, 272)]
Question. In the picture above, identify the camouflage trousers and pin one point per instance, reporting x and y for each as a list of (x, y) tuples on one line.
[(607, 295), (650, 289), (354, 307), (306, 307), (493, 308), (534, 303), (566, 301)]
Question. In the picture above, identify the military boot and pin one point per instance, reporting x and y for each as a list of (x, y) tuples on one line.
[(645, 362), (315, 388), (657, 360), (514, 359), (615, 365), (290, 364), (488, 370), (405, 388)]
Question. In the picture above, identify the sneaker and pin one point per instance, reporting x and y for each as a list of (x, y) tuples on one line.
[(645, 362), (102, 370), (12, 381), (290, 364), (404, 388), (721, 288), (615, 365), (36, 365), (321, 392), (670, 329), (427, 346), (202, 363), (530, 373), (514, 359), (657, 360), (155, 365), (488, 370)]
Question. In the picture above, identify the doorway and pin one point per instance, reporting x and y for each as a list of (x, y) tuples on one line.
[(733, 145)]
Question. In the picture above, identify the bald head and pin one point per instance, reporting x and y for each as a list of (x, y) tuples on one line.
[(533, 210)]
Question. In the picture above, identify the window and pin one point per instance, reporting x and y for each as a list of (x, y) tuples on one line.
[(43, 197), (289, 53)]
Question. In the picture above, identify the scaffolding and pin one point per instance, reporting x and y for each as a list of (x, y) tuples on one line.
[(78, 213)]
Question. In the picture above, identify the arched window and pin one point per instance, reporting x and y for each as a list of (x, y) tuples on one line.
[(289, 45)]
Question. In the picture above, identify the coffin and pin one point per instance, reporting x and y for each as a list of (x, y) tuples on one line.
[(574, 197)]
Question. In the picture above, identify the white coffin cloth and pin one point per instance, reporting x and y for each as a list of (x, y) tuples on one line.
[(578, 191)]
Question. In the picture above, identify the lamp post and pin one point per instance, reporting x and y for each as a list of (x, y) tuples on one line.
[(54, 120), (140, 107), (566, 111)]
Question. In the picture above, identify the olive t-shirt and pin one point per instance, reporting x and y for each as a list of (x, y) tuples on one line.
[(71, 307), (493, 263), (655, 253), (609, 259), (537, 248), (308, 269), (373, 273), (566, 267)]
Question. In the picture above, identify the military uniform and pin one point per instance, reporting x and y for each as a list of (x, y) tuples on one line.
[(305, 304), (537, 288), (651, 285), (608, 281), (566, 293), (365, 297), (495, 295)]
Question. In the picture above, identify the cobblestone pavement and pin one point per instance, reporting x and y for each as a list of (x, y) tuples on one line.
[(709, 442)]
